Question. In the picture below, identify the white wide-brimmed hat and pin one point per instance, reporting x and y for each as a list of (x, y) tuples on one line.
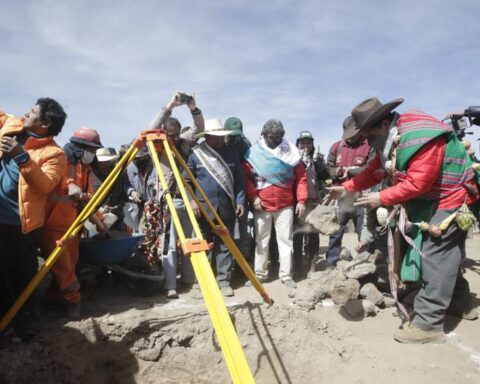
[(106, 154), (214, 127)]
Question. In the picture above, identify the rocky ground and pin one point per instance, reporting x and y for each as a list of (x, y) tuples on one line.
[(327, 331)]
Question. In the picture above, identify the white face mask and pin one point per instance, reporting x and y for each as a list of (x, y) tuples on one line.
[(87, 157)]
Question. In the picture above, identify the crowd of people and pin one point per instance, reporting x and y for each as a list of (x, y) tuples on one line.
[(263, 192)]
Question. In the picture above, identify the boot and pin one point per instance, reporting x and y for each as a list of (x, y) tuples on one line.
[(411, 334), (74, 311), (22, 325), (227, 291)]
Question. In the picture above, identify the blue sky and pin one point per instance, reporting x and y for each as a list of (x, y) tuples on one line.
[(113, 64)]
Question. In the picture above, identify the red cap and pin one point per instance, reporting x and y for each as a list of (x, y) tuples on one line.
[(87, 136)]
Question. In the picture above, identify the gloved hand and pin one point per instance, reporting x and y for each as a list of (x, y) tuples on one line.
[(74, 192)]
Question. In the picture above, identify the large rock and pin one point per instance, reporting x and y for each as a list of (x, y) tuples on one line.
[(359, 267), (152, 354), (344, 290), (362, 257), (307, 298), (372, 294), (358, 309), (320, 283), (324, 219)]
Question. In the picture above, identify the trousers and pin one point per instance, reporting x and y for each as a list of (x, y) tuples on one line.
[(170, 260), (220, 252), (283, 222), (441, 275), (18, 265), (65, 284)]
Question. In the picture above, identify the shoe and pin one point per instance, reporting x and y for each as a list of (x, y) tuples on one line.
[(411, 334), (74, 311), (227, 291), (172, 294), (289, 283), (249, 283)]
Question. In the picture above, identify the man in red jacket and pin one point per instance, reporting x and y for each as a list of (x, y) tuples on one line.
[(274, 173), (347, 158), (432, 178)]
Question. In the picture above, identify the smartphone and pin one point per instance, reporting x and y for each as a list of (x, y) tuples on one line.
[(183, 97)]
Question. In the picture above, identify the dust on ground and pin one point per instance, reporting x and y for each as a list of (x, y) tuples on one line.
[(126, 339)]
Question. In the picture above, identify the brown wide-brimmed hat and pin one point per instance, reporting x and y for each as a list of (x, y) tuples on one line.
[(368, 113)]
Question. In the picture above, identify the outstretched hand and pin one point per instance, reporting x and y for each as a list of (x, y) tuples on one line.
[(195, 208), (191, 103), (240, 211), (455, 115), (370, 200), (334, 193), (174, 101)]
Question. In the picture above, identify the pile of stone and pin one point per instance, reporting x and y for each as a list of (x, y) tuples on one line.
[(356, 284)]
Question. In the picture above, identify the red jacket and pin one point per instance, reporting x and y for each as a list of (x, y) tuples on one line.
[(274, 197), (419, 178)]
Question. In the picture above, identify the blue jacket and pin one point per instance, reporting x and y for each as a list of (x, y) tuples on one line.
[(215, 193)]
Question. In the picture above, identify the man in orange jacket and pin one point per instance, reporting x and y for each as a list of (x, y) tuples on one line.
[(63, 206), (31, 166)]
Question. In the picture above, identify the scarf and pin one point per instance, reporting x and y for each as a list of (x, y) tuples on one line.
[(217, 168), (273, 166)]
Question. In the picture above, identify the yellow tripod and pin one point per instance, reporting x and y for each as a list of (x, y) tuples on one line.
[(195, 248)]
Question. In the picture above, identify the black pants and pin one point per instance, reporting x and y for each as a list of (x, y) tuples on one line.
[(18, 264), (220, 252)]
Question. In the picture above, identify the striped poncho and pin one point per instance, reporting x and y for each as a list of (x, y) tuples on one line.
[(417, 129)]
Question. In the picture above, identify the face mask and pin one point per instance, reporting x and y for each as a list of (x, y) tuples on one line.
[(87, 157), (141, 163), (232, 139), (273, 143)]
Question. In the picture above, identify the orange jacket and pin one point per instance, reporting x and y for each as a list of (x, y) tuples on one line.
[(61, 210), (39, 176), (3, 118)]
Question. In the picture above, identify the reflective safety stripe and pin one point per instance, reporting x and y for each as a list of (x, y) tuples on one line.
[(75, 286)]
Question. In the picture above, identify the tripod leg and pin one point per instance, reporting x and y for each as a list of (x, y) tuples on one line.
[(219, 229), (227, 337)]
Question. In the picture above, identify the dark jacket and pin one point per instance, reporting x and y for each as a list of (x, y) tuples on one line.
[(215, 193), (146, 186)]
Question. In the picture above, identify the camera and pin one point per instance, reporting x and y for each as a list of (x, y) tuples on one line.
[(183, 97), (461, 122)]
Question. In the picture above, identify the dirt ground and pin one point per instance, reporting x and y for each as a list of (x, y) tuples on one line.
[(125, 339)]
